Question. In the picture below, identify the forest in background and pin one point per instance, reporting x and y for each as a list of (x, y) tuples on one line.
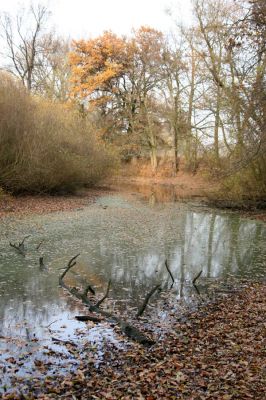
[(194, 98)]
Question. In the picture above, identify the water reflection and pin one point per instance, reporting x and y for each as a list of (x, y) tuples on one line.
[(127, 241)]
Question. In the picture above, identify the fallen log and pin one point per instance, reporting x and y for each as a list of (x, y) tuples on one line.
[(130, 331)]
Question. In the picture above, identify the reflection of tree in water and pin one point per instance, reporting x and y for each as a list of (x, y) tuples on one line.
[(128, 244)]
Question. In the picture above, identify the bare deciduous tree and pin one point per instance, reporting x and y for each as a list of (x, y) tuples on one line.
[(23, 39)]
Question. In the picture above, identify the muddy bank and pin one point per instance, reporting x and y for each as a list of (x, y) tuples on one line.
[(217, 353)]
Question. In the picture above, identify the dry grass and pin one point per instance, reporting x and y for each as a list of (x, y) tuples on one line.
[(45, 147)]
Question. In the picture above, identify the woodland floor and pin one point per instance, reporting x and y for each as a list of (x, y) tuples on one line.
[(219, 352)]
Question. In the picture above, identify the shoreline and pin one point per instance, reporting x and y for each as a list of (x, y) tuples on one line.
[(217, 353), (160, 190)]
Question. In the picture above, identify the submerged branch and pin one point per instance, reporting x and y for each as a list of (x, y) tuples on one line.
[(146, 300)]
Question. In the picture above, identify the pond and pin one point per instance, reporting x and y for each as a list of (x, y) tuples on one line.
[(125, 238)]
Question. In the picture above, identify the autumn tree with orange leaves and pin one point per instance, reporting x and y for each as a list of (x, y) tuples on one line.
[(118, 78)]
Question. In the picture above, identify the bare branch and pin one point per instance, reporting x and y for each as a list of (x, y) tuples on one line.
[(87, 289), (18, 248), (105, 296), (196, 278), (146, 300), (70, 264), (169, 271)]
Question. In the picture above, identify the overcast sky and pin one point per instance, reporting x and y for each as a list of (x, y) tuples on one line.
[(86, 18)]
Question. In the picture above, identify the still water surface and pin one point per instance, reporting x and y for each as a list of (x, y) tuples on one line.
[(127, 240)]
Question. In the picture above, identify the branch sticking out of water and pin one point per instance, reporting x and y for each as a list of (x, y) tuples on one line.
[(169, 271), (88, 289), (196, 278), (146, 300), (105, 296), (20, 247), (39, 245), (129, 330), (70, 265)]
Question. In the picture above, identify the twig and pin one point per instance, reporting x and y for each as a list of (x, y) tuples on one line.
[(39, 245), (169, 271), (51, 323), (18, 248), (70, 264), (64, 341), (146, 300), (22, 243), (104, 297), (196, 277)]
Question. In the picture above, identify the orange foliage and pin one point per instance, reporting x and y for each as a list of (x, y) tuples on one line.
[(99, 64), (96, 63)]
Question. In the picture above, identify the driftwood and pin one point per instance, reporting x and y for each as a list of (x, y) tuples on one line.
[(169, 271), (146, 300), (20, 246), (129, 330)]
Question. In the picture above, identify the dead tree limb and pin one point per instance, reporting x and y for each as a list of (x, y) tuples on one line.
[(20, 247), (169, 271), (39, 245), (196, 278), (20, 250), (105, 296), (129, 330), (70, 264), (88, 289), (146, 300)]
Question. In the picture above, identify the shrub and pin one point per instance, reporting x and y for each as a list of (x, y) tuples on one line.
[(46, 147)]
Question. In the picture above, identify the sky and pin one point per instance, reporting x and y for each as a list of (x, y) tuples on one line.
[(89, 18)]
